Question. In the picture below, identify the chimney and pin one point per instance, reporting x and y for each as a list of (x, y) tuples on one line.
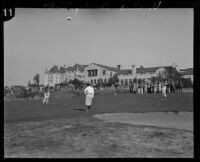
[(173, 65), (46, 71), (118, 67), (133, 69)]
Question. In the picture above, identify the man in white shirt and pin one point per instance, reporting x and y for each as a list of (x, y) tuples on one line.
[(89, 92)]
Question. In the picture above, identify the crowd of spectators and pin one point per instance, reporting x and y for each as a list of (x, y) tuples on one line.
[(18, 90), (133, 87), (149, 87)]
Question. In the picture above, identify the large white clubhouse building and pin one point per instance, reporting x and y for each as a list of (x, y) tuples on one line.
[(97, 73)]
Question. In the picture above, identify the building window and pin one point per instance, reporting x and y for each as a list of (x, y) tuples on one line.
[(95, 81), (104, 72), (89, 73), (92, 73), (95, 74), (122, 81), (91, 81)]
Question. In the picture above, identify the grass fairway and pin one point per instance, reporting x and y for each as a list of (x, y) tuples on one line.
[(63, 130)]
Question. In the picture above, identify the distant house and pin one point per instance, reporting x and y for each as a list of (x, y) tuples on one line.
[(63, 74), (76, 71), (52, 76), (187, 73)]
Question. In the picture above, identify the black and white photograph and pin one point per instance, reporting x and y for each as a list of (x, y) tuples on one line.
[(98, 82)]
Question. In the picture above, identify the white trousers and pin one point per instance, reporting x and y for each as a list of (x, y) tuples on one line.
[(88, 99), (45, 100)]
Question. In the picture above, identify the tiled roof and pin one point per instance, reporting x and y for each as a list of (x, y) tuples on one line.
[(125, 71), (129, 71), (74, 68), (62, 69), (54, 69), (150, 69), (188, 71), (107, 67), (142, 70)]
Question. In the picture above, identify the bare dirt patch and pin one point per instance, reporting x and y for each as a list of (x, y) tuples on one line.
[(93, 138)]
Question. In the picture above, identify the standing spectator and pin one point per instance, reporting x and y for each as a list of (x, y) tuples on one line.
[(131, 87), (164, 93), (148, 87), (172, 87), (135, 88), (89, 92), (145, 88), (181, 86), (168, 87), (152, 88), (159, 87), (139, 88), (155, 88)]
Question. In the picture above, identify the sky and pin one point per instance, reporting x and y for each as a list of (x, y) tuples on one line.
[(36, 39)]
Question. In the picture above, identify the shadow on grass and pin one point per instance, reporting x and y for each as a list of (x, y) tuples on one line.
[(79, 109)]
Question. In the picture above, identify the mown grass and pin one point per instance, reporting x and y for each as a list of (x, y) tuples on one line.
[(92, 138)]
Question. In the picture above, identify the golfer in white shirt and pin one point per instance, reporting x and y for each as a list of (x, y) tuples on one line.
[(46, 96), (89, 92)]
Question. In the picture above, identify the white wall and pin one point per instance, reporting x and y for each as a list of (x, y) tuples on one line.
[(99, 73), (188, 76), (46, 82)]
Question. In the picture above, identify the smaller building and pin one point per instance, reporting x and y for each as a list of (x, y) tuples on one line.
[(187, 73), (62, 74), (53, 76), (129, 75)]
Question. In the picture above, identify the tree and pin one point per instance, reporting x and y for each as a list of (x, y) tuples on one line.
[(113, 80), (77, 83), (29, 83), (173, 74), (153, 79), (36, 79)]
